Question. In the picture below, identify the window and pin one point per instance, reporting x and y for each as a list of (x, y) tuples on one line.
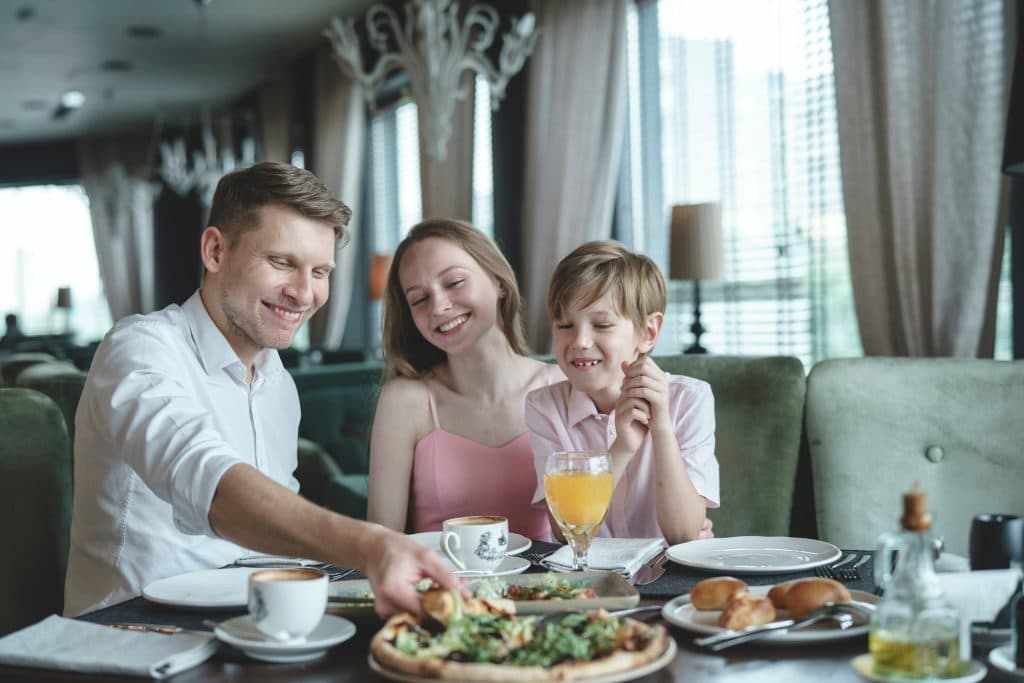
[(733, 102), (48, 244), (394, 176)]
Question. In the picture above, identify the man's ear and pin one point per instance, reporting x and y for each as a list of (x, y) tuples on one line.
[(652, 330), (212, 246)]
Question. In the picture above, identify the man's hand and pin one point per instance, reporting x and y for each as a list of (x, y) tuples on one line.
[(395, 563)]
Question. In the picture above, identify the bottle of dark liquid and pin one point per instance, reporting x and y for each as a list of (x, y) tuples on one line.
[(914, 630)]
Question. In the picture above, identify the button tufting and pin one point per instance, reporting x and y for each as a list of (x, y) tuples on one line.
[(934, 453)]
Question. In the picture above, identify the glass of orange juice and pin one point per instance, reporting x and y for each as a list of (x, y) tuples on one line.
[(578, 488)]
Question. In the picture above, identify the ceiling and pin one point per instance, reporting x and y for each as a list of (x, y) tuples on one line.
[(50, 46)]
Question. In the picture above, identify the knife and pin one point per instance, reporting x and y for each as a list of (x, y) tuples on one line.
[(158, 628)]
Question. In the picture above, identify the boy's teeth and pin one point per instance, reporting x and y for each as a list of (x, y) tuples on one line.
[(452, 323), (585, 363)]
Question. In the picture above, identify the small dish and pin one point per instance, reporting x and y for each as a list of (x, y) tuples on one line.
[(241, 633), (206, 588), (865, 666), (1002, 658), (754, 554), (512, 564)]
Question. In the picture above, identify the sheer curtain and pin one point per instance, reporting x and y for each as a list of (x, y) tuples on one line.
[(921, 93), (576, 114), (447, 186), (338, 141), (115, 177)]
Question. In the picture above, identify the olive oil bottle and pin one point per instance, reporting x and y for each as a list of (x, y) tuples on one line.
[(914, 631)]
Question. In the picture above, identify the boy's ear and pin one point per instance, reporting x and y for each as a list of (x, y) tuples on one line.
[(652, 330)]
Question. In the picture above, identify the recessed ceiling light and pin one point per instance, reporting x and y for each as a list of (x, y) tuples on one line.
[(144, 31), (25, 13), (118, 65), (72, 99)]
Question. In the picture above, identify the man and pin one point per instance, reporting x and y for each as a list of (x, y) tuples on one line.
[(12, 334), (186, 432)]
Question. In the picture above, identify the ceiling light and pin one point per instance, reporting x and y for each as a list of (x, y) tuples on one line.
[(72, 99)]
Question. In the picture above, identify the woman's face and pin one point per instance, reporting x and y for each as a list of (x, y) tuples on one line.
[(452, 299)]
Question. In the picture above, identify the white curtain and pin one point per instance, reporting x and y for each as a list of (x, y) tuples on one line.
[(115, 176), (276, 116), (576, 116), (921, 94), (338, 140), (447, 186)]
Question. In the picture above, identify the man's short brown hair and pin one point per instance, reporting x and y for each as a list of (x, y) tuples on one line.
[(595, 268), (241, 194)]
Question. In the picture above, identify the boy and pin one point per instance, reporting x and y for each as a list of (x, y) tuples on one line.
[(607, 307)]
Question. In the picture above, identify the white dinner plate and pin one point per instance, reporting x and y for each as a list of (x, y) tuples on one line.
[(1002, 658), (971, 671), (510, 565), (681, 613), (661, 662), (205, 588), (240, 632), (517, 543), (754, 554)]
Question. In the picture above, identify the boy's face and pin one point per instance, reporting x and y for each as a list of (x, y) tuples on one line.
[(592, 343)]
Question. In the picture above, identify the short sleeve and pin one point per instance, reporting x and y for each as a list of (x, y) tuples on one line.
[(694, 411), (543, 434)]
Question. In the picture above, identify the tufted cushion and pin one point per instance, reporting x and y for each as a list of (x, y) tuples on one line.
[(16, 362), (62, 382), (877, 425), (35, 488), (759, 403)]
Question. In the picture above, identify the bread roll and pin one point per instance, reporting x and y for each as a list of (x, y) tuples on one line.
[(715, 593), (745, 610), (777, 594), (806, 595)]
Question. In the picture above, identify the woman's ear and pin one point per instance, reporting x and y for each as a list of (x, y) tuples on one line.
[(651, 331)]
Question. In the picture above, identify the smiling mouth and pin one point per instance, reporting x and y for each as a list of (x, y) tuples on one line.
[(584, 364), (286, 314), (453, 323)]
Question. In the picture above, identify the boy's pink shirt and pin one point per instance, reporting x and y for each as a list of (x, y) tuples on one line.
[(560, 418)]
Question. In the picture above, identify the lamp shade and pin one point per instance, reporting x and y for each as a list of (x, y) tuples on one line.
[(1013, 149), (380, 264), (695, 248), (64, 298)]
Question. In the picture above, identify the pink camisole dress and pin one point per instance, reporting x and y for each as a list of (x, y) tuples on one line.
[(453, 476)]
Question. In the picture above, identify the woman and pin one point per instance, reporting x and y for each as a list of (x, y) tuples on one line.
[(449, 437)]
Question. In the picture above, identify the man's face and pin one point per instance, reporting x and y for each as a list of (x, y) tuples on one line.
[(264, 284)]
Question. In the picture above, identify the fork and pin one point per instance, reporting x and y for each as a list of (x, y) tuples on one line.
[(852, 573), (831, 572)]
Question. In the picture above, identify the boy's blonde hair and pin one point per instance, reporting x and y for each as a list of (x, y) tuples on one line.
[(406, 352), (596, 268)]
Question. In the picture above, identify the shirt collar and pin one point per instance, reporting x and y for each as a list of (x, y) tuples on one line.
[(215, 353), (581, 406)]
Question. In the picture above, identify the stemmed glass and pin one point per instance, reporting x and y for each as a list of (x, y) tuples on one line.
[(578, 488)]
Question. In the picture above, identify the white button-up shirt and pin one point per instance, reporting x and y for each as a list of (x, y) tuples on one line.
[(165, 411), (561, 418)]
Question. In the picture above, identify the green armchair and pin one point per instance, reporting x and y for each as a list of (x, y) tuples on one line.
[(35, 487)]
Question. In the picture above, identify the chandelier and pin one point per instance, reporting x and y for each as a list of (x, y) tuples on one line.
[(433, 49), (201, 169)]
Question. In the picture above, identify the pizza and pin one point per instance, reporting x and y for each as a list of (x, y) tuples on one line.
[(549, 587), (482, 639)]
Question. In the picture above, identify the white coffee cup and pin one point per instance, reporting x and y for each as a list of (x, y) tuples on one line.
[(477, 543), (287, 604)]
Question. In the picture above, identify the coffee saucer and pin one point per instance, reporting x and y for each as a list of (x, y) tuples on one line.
[(512, 564), (240, 632), (1002, 658), (970, 671)]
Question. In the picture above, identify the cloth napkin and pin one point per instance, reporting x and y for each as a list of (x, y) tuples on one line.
[(72, 645), (978, 596), (622, 555)]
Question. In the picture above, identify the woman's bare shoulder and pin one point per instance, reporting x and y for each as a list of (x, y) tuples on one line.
[(403, 392)]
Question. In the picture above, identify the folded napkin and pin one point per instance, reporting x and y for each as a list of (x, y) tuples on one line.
[(72, 645), (622, 555), (978, 596)]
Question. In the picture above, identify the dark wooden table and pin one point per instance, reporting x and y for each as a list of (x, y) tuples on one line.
[(348, 661)]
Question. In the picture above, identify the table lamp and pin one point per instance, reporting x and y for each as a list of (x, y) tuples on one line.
[(380, 264), (695, 253), (64, 305)]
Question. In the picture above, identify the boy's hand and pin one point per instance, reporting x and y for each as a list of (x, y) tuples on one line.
[(705, 530), (645, 381), (632, 416)]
